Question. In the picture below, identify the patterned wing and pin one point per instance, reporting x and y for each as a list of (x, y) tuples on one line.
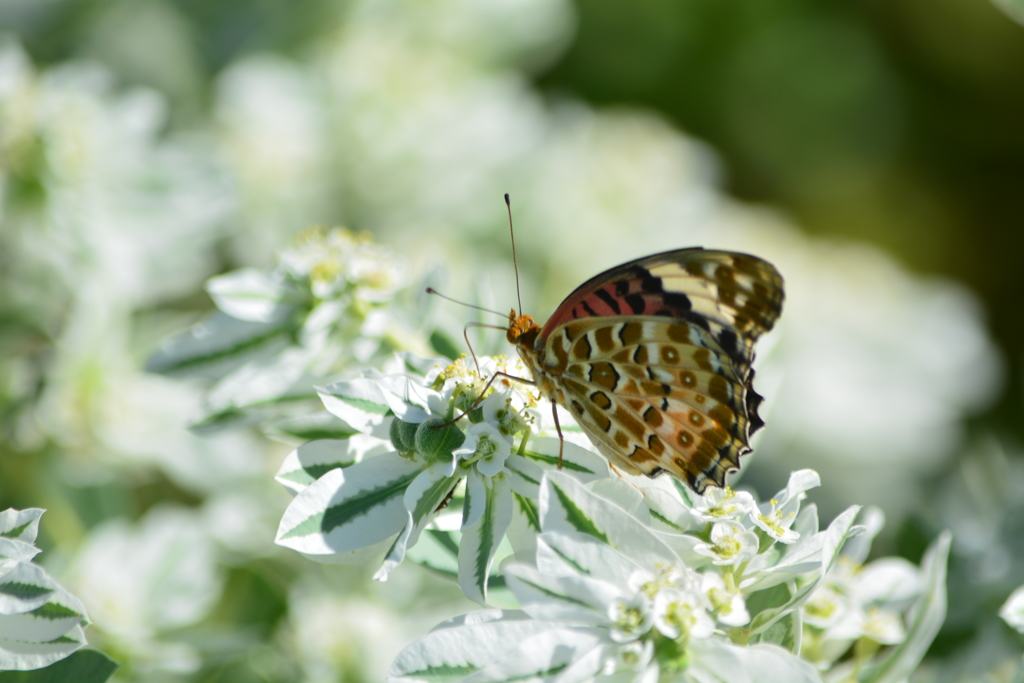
[(653, 358), (734, 297)]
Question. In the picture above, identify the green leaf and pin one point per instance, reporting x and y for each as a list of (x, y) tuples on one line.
[(249, 294), (349, 509), (82, 666), (481, 539), (319, 426), (220, 344), (785, 632), (443, 344), (361, 403)]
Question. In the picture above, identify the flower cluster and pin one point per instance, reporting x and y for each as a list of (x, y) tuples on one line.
[(611, 595), (278, 333), (428, 440), (614, 579), (40, 622)]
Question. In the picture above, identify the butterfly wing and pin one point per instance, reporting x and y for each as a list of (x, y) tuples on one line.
[(653, 358), (734, 297)]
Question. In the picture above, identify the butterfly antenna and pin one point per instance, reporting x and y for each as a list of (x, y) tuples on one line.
[(508, 205), (431, 290)]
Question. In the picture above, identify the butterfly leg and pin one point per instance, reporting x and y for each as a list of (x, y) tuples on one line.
[(558, 428)]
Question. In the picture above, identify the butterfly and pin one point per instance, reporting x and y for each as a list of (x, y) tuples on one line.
[(653, 359)]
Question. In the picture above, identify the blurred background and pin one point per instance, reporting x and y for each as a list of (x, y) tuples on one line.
[(873, 151)]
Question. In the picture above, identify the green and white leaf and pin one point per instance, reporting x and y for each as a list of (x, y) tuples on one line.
[(250, 294), (583, 464), (313, 459), (567, 505), (421, 500), (40, 622), (350, 509), (13, 553), (220, 344), (20, 525), (717, 661), (462, 647), (361, 403), (924, 619), (314, 427), (486, 516), (832, 542)]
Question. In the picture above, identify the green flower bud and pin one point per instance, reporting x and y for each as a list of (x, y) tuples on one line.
[(435, 441), (403, 435)]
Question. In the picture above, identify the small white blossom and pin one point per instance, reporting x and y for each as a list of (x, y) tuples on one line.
[(630, 619), (884, 626), (727, 605), (730, 544), (500, 409), (826, 607), (776, 522), (485, 446), (679, 613), (630, 657), (724, 503)]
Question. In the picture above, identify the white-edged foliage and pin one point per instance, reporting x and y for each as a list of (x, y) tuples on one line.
[(277, 333), (351, 495), (606, 597), (40, 621)]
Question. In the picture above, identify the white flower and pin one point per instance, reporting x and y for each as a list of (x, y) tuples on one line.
[(777, 518), (630, 657), (630, 619), (485, 446), (776, 523), (826, 607), (500, 409), (727, 604), (679, 613), (724, 503), (884, 626), (604, 596), (730, 544)]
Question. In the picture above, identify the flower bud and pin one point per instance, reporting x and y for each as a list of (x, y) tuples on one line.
[(435, 441), (403, 435)]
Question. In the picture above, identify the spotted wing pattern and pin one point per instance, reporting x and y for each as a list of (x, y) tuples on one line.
[(653, 358)]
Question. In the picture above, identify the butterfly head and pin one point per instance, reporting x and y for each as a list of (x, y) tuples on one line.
[(521, 329)]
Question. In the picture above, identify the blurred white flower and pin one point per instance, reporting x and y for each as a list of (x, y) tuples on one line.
[(1012, 610), (631, 617), (725, 603), (682, 614), (140, 582)]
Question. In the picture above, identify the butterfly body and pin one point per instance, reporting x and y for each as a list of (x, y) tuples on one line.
[(653, 360)]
